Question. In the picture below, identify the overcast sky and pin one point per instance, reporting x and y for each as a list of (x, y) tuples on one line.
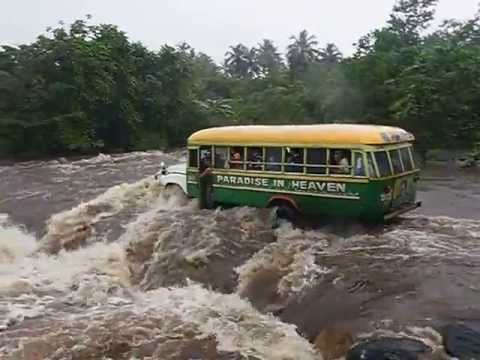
[(212, 25)]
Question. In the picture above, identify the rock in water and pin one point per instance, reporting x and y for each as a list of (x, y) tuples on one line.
[(333, 343), (461, 342), (388, 349)]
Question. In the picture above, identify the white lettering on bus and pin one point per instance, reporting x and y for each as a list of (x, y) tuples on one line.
[(331, 187), (341, 188), (295, 185)]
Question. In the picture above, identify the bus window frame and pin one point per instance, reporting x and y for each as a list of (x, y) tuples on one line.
[(227, 160), (380, 176), (366, 153), (350, 174), (212, 157), (412, 158), (197, 148), (257, 163), (401, 162), (409, 150), (230, 162), (293, 165), (310, 166), (363, 153), (374, 164), (266, 162)]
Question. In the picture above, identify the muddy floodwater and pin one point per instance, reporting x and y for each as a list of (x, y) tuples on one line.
[(97, 263)]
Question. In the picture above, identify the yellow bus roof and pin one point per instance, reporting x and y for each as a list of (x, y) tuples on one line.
[(308, 135)]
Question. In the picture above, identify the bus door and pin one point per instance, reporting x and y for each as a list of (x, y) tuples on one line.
[(205, 177)]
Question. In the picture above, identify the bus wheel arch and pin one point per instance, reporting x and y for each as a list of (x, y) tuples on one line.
[(174, 190), (287, 208)]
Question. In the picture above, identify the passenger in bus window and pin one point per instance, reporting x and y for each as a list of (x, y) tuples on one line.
[(221, 154), (254, 156), (205, 160), (236, 158), (341, 161), (359, 169), (294, 157)]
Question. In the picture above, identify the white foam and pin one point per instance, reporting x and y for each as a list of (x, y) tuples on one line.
[(15, 243), (17, 313), (59, 272), (75, 225), (236, 325), (293, 255), (100, 158)]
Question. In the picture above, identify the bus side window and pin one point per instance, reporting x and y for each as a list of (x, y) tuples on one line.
[(371, 166), (383, 164), (294, 160), (254, 158), (193, 158), (407, 162), (273, 159), (236, 157), (316, 161), (412, 156), (205, 157), (358, 164), (340, 162), (221, 157), (396, 162)]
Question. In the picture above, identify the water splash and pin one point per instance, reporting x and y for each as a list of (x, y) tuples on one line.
[(73, 228), (134, 293), (15, 243)]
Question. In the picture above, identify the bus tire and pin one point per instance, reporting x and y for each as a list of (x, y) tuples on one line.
[(285, 211)]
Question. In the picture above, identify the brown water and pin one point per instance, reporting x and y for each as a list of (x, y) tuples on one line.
[(96, 263)]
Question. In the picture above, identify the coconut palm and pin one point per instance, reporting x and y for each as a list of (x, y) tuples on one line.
[(240, 61), (302, 51), (330, 54), (268, 57)]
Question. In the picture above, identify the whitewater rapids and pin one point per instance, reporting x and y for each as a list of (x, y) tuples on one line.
[(97, 263)]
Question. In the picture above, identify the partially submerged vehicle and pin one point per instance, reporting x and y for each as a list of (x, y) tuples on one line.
[(356, 171)]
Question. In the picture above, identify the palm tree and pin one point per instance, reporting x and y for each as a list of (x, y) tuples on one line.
[(330, 54), (253, 66), (302, 51), (241, 62), (268, 57)]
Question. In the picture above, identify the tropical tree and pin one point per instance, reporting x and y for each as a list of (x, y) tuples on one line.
[(302, 51), (241, 62), (330, 54), (268, 58), (84, 88), (410, 17)]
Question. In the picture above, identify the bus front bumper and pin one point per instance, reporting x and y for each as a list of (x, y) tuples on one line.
[(402, 210)]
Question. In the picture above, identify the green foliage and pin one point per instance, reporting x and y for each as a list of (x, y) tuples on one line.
[(302, 52), (241, 62), (85, 88)]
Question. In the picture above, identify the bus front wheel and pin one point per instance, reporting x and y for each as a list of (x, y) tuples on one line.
[(285, 212)]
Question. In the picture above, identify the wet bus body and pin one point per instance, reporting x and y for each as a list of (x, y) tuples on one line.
[(364, 172)]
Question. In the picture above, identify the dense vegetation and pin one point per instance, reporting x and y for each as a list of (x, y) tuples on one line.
[(85, 88)]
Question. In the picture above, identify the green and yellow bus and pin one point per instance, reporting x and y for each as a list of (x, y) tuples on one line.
[(357, 171)]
